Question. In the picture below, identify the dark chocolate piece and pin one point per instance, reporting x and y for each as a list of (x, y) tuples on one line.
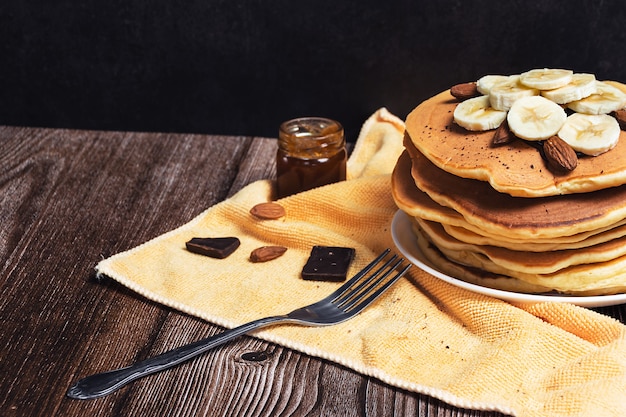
[(328, 263), (215, 247)]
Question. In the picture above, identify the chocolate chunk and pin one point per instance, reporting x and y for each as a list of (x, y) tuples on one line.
[(215, 247), (328, 263)]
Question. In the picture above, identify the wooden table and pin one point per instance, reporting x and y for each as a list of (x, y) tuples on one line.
[(71, 198)]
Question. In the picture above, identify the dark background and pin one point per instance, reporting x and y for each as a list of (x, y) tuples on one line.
[(242, 67)]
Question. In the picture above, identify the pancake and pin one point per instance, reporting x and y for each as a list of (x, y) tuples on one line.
[(577, 274), (578, 241), (521, 218), (417, 203), (523, 261), (473, 275), (516, 168), (584, 280)]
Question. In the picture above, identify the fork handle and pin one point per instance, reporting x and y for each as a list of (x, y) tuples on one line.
[(105, 383)]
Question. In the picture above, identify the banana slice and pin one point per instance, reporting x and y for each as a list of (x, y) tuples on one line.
[(476, 114), (535, 118), (546, 79), (605, 100), (502, 95), (486, 83), (591, 134), (581, 86)]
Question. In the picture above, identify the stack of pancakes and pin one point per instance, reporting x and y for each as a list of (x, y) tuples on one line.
[(499, 217)]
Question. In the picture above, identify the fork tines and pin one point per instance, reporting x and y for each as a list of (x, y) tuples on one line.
[(363, 289)]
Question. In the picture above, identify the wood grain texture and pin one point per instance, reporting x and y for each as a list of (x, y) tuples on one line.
[(70, 198)]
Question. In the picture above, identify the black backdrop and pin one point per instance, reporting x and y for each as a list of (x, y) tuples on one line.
[(241, 67)]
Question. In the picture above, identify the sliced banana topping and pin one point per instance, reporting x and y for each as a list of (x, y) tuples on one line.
[(502, 95), (486, 83), (605, 100), (589, 133), (581, 86), (533, 104), (535, 118), (546, 79), (476, 114)]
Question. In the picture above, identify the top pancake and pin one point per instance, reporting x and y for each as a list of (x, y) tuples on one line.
[(516, 168)]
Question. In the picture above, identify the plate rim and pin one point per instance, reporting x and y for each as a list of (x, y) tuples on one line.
[(405, 241)]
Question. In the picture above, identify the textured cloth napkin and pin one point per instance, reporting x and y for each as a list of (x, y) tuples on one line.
[(424, 335)]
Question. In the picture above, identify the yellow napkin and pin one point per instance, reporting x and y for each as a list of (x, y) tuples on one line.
[(424, 335)]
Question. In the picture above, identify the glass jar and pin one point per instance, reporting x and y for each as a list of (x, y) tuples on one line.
[(311, 153)]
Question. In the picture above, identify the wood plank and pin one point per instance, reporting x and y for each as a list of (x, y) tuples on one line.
[(64, 218), (258, 163)]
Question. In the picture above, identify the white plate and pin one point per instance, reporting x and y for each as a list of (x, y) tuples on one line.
[(406, 242)]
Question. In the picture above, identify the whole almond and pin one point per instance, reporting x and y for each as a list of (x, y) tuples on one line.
[(464, 91), (560, 154), (620, 115), (267, 253), (268, 211), (503, 135)]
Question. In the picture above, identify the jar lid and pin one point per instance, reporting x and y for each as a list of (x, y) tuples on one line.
[(313, 127)]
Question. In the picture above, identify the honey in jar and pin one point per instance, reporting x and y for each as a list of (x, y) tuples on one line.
[(311, 153)]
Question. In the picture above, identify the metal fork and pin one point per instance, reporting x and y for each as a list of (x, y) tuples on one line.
[(346, 302)]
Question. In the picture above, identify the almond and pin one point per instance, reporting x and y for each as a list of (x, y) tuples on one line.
[(620, 115), (268, 211), (503, 135), (559, 154), (464, 91), (267, 253)]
